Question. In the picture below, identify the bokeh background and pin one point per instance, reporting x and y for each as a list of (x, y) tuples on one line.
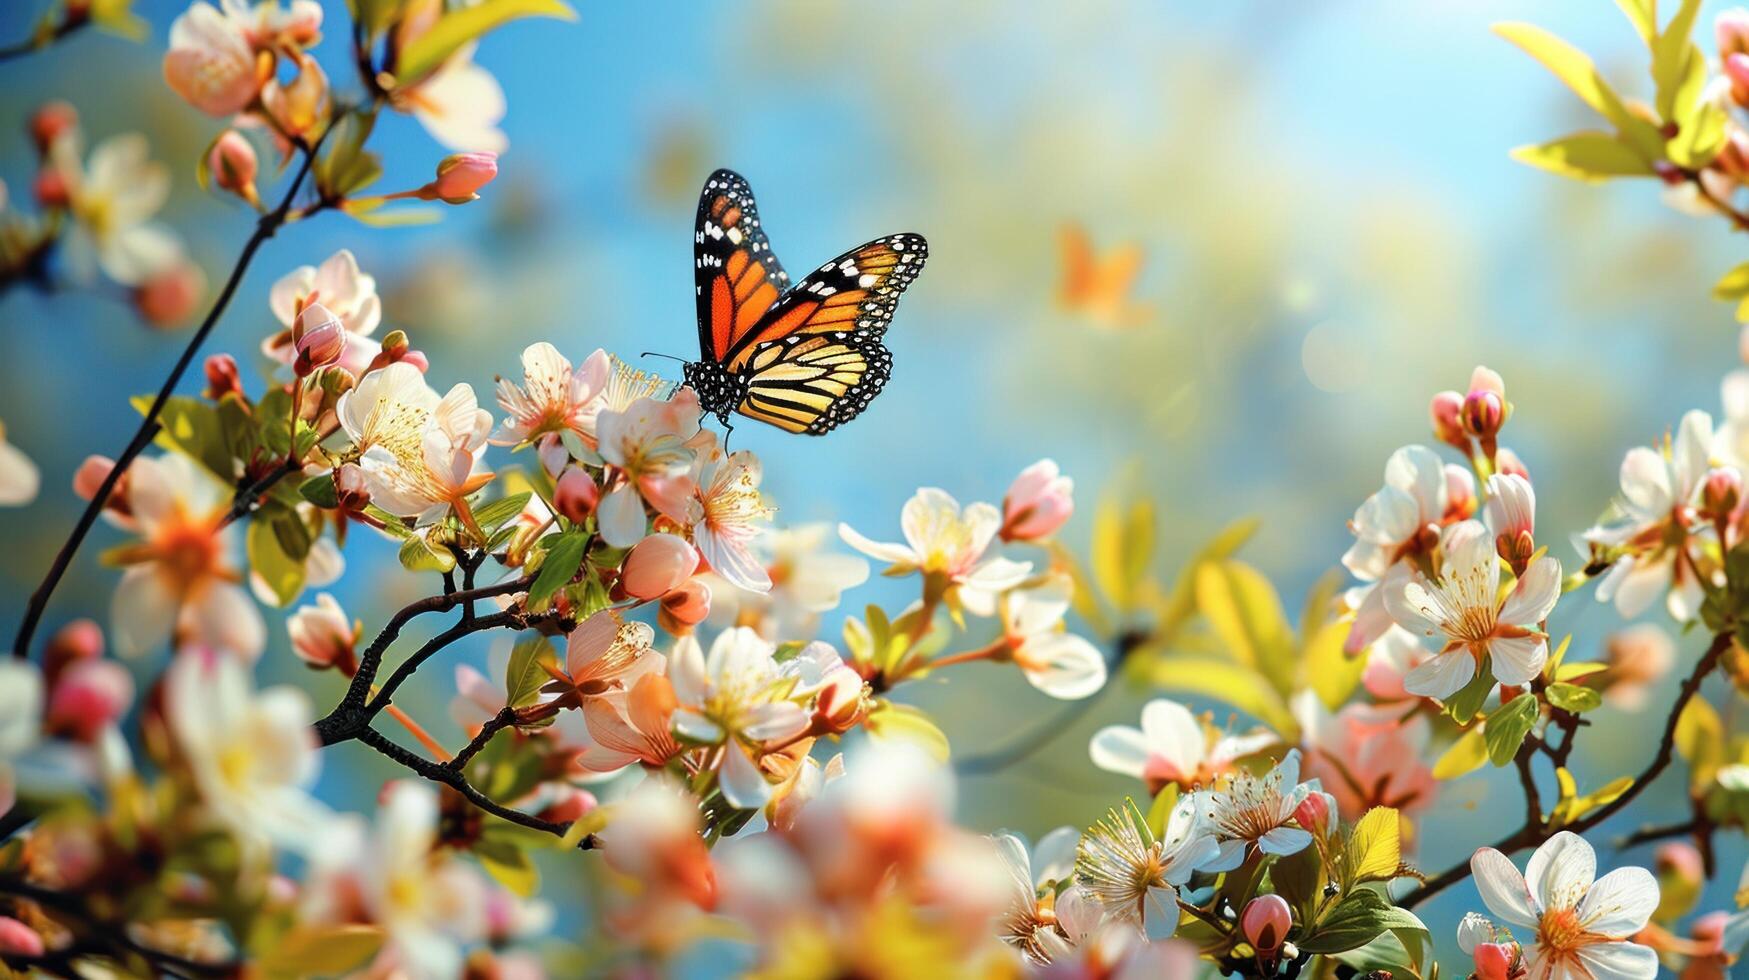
[(1332, 229)]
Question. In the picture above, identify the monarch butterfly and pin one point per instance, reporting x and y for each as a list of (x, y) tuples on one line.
[(1099, 286), (805, 359)]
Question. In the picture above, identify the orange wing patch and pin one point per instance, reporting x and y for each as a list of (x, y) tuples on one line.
[(1100, 287), (856, 292)]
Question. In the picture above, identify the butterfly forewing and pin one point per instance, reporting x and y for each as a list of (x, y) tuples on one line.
[(736, 276), (808, 359)]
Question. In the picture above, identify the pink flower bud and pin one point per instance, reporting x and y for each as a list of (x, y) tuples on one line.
[(81, 639), (170, 296), (576, 495), (1447, 410), (51, 188), (397, 348), (1484, 414), (18, 939), (657, 565), (89, 477), (50, 122), (573, 805), (1494, 960), (1709, 932), (1721, 492), (1313, 814), (687, 604), (222, 378), (1507, 463), (1682, 860), (88, 697), (460, 177), (320, 339), (1265, 922), (322, 636), (1039, 501), (233, 166)]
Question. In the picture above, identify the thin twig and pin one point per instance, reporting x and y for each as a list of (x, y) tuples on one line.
[(497, 723), (1528, 836), (453, 778), (149, 425), (39, 41)]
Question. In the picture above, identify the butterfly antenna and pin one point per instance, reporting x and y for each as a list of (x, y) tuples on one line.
[(671, 357)]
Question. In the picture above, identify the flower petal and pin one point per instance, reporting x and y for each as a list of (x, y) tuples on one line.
[(1503, 889), (1120, 749), (1561, 871), (1620, 903)]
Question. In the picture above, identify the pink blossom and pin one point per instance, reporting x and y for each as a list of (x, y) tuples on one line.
[(575, 494), (657, 565), (1038, 503)]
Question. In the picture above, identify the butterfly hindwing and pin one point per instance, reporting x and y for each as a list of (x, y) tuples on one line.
[(813, 383), (736, 276), (855, 292)]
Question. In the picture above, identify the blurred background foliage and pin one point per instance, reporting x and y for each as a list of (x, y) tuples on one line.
[(1288, 226)]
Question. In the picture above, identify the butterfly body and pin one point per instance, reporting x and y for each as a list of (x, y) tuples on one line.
[(806, 359)]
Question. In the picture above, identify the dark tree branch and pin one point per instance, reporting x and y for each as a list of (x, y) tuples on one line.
[(497, 723), (1529, 835)]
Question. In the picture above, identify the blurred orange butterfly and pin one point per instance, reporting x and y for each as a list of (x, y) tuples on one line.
[(1099, 287), (805, 359)]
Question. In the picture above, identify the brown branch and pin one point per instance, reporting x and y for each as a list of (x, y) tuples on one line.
[(149, 426), (497, 723), (42, 39), (453, 778), (1528, 836)]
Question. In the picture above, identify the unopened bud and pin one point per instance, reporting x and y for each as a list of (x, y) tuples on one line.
[(657, 565), (1515, 548), (1313, 814), (460, 177), (50, 122), (51, 188), (1494, 960), (1721, 492), (221, 377), (1737, 70), (576, 495), (1265, 923), (685, 606), (88, 697), (320, 339), (1484, 414), (169, 297), (1447, 409), (81, 639), (89, 477), (18, 939), (233, 165), (396, 349), (573, 805)]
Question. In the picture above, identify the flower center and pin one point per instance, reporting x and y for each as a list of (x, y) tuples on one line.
[(1560, 934), (188, 552)]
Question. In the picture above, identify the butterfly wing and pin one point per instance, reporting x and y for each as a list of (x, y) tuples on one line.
[(814, 382), (855, 293), (736, 276)]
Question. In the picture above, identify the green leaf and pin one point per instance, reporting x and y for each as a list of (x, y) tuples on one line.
[(1299, 879), (890, 721), (1332, 673), (524, 678), (193, 428), (319, 490), (1361, 917), (347, 168), (1700, 740), (321, 951), (1573, 68), (1180, 604), (509, 865), (1375, 846), (283, 574), (1508, 726), (1676, 62), (1123, 545), (1465, 756), (418, 555), (464, 24), (1587, 156), (1463, 705), (492, 516), (1574, 698), (1245, 613), (1700, 138), (562, 560), (1733, 285)]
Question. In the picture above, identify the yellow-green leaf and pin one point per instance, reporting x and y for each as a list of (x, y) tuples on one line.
[(1700, 740), (508, 865), (1700, 137), (1332, 673), (321, 951), (1123, 545), (1675, 59), (1465, 756), (1180, 603), (464, 24), (1588, 156), (282, 574), (1245, 613), (889, 721), (1576, 70), (1375, 847), (1224, 681), (1733, 285), (1508, 726), (1643, 17)]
